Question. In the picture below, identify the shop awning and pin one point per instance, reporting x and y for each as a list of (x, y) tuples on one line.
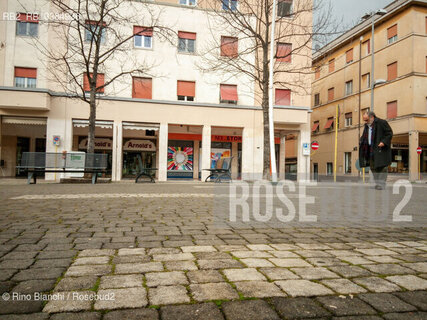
[(23, 120), (315, 126), (140, 126), (329, 123), (99, 124)]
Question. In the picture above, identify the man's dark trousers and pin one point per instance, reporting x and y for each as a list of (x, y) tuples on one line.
[(380, 175)]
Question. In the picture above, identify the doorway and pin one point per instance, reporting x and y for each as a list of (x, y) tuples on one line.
[(22, 145)]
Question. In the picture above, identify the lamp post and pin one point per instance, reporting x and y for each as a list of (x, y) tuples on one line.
[(372, 15)]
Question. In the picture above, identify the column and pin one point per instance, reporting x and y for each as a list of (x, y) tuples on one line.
[(235, 163), (117, 151), (206, 150), (414, 161), (1, 137), (282, 156), (304, 136), (163, 152), (196, 160), (247, 154)]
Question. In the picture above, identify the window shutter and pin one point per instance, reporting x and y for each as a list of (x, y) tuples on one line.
[(27, 17), (392, 31), (99, 82), (228, 92), (315, 126), (187, 35), (283, 97), (25, 72), (392, 109), (229, 47), (317, 73), (349, 56), (283, 52), (348, 115), (331, 94), (332, 65), (186, 88), (392, 71), (142, 88), (143, 31), (329, 123)]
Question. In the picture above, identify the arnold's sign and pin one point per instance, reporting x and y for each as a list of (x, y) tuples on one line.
[(139, 145), (100, 144)]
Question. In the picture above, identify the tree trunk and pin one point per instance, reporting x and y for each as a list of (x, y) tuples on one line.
[(266, 162), (92, 118)]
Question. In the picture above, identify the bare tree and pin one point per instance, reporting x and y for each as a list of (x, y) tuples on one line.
[(249, 21), (93, 38)]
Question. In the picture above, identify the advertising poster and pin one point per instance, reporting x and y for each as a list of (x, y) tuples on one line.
[(180, 159)]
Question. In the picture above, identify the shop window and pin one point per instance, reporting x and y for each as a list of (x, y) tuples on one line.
[(366, 47), (284, 8), (317, 99), (347, 162), (186, 42), (348, 119), (229, 47), (331, 94), (391, 109), (366, 80), (25, 77), (99, 82), (143, 37), (228, 94), (329, 169), (229, 5), (142, 88), (392, 71), (331, 65), (188, 2), (186, 90), (283, 97), (315, 128), (150, 133), (392, 34), (349, 56), (27, 24), (284, 52), (92, 30), (329, 124), (349, 87)]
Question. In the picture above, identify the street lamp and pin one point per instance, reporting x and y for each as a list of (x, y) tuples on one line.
[(372, 15)]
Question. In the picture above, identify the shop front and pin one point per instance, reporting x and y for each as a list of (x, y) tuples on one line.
[(137, 154), (103, 145)]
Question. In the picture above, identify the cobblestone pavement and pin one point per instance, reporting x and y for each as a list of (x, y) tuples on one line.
[(153, 251)]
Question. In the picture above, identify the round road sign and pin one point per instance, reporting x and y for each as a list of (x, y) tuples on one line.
[(314, 145), (419, 150)]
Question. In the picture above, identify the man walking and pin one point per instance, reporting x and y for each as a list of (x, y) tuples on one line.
[(375, 147)]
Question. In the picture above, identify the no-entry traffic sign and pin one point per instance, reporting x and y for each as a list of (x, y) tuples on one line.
[(419, 150), (314, 145)]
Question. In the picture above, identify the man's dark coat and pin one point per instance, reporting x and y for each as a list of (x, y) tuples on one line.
[(382, 132)]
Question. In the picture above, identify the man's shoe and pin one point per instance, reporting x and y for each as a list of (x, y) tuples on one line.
[(378, 187)]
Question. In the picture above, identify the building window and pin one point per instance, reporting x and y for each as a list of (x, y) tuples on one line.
[(331, 94), (315, 128), (329, 124), (187, 2), (143, 37), (186, 42), (229, 5), (25, 77), (283, 97), (229, 47), (329, 169), (142, 88), (317, 73), (317, 99), (348, 119), (347, 162), (331, 65), (27, 24), (349, 56), (392, 71), (186, 90), (366, 80), (92, 30), (391, 110), (99, 82), (392, 34), (228, 93), (366, 47), (284, 52), (349, 87), (284, 8)]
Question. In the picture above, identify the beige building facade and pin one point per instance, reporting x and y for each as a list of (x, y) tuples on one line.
[(343, 80), (165, 130)]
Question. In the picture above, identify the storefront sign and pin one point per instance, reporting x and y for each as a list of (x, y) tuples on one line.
[(218, 138), (139, 145), (100, 144)]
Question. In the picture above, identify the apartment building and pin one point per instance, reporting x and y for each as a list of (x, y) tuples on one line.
[(343, 79), (178, 121)]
